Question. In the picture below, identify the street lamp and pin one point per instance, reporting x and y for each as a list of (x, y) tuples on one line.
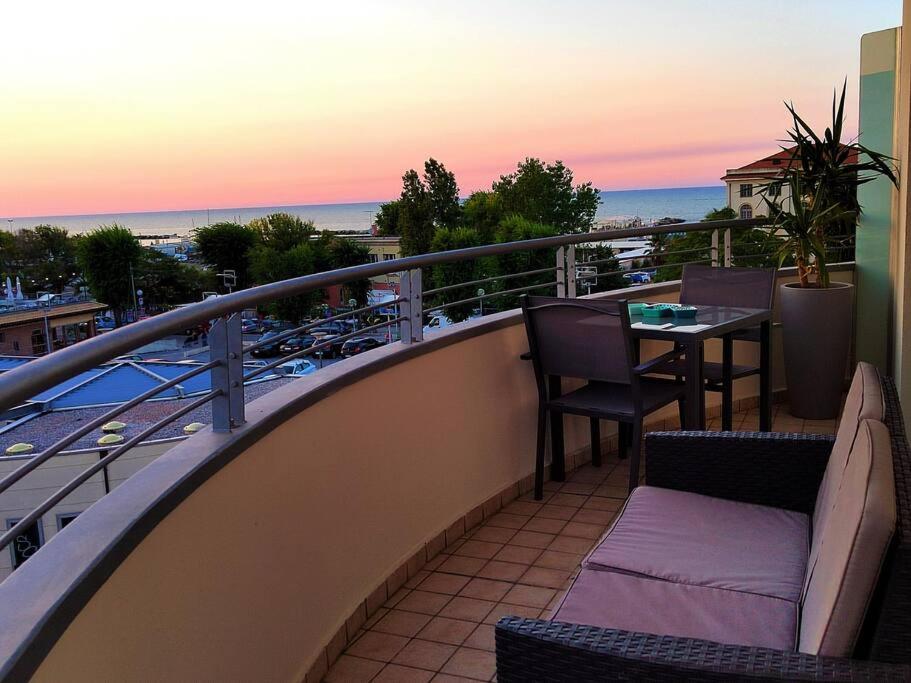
[(352, 304), (481, 294), (48, 343)]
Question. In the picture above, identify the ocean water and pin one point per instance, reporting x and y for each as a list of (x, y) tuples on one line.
[(689, 203)]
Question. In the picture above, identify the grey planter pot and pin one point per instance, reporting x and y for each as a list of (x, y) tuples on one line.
[(817, 339)]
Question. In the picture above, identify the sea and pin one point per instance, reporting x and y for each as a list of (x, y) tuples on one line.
[(688, 203)]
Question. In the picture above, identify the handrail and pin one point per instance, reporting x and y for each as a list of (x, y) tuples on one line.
[(21, 383)]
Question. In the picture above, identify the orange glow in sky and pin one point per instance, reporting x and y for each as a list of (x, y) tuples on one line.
[(110, 107)]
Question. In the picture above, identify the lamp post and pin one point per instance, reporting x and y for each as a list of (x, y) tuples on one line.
[(481, 294), (48, 342), (352, 304)]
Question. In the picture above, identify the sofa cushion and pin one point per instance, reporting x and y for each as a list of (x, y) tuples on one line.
[(634, 603), (702, 541), (864, 402), (850, 546)]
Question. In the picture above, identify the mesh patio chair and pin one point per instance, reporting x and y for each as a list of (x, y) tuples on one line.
[(735, 287), (591, 341)]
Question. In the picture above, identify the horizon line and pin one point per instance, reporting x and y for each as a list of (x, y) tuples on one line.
[(316, 204)]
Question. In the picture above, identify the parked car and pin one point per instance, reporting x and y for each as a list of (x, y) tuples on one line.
[(437, 322), (333, 350), (269, 325), (638, 278), (250, 326), (103, 323), (357, 345), (268, 350), (331, 328), (297, 367), (298, 343)]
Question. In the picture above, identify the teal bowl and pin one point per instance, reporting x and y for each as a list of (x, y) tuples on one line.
[(635, 309), (656, 310), (685, 311)]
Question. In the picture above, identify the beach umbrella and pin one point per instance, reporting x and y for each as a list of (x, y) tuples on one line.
[(19, 294), (9, 289)]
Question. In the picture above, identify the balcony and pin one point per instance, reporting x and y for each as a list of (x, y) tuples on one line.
[(371, 519)]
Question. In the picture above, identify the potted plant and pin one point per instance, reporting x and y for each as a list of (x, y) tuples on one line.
[(822, 175)]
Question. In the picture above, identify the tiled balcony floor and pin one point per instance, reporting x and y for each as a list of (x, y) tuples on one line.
[(439, 627)]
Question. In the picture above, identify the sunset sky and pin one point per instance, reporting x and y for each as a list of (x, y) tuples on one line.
[(109, 107)]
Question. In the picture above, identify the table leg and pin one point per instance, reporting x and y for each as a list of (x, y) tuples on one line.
[(695, 391), (765, 376), (727, 392), (558, 460)]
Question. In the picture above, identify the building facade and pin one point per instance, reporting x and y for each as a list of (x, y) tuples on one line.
[(748, 187)]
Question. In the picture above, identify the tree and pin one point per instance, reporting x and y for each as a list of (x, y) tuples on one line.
[(445, 274), (166, 282), (226, 246), (545, 194), (415, 219), (517, 228), (268, 264), (47, 255), (483, 212), (106, 257), (388, 218), (725, 214), (282, 231), (426, 204), (442, 194), (345, 253)]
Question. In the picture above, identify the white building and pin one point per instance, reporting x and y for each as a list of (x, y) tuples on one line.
[(749, 186)]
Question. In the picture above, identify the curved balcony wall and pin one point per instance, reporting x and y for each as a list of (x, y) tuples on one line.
[(251, 555)]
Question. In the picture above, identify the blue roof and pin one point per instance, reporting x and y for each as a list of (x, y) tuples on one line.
[(10, 362)]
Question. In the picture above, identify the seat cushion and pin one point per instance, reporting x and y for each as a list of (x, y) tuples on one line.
[(850, 547), (697, 540), (596, 398), (634, 603)]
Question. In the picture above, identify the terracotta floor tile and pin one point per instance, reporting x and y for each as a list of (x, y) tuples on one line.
[(486, 589), (503, 571), (589, 474), (348, 669), (417, 578), (399, 595), (522, 507), (507, 520), (476, 664), (597, 503), (457, 564), (568, 499), (493, 534), (396, 673), (599, 517), (571, 544), (505, 609), (469, 609), (542, 576), (482, 638), (483, 549), (401, 623), (446, 630), (552, 559), (545, 525), (379, 646), (532, 539), (530, 497), (578, 487), (435, 562), (563, 512), (424, 654), (608, 491), (379, 614), (518, 554), (532, 596), (449, 678), (581, 530), (438, 582), (424, 602)]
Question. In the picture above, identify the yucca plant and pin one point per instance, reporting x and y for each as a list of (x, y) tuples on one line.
[(823, 174)]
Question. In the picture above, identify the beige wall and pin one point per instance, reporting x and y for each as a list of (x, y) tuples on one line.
[(249, 577), (901, 245)]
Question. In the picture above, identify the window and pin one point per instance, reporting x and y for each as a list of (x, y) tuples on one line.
[(372, 258), (746, 211), (746, 190), (64, 519), (38, 346), (774, 189), (388, 257), (25, 544)]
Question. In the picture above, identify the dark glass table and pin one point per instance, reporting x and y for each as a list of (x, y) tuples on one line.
[(712, 322)]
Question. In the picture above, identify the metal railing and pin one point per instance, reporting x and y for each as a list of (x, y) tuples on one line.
[(227, 349)]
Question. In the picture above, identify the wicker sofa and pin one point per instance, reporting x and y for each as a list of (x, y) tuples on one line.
[(747, 556)]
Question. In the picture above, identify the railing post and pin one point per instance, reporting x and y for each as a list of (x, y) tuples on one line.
[(561, 272), (714, 248), (728, 260), (571, 271), (411, 328), (226, 345)]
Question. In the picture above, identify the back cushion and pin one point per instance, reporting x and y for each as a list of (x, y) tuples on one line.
[(850, 547), (864, 402)]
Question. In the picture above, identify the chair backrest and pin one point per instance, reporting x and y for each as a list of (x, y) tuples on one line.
[(850, 547), (579, 338), (741, 287)]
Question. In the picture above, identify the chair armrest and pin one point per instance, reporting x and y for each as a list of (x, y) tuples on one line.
[(535, 650), (647, 366), (781, 470)]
